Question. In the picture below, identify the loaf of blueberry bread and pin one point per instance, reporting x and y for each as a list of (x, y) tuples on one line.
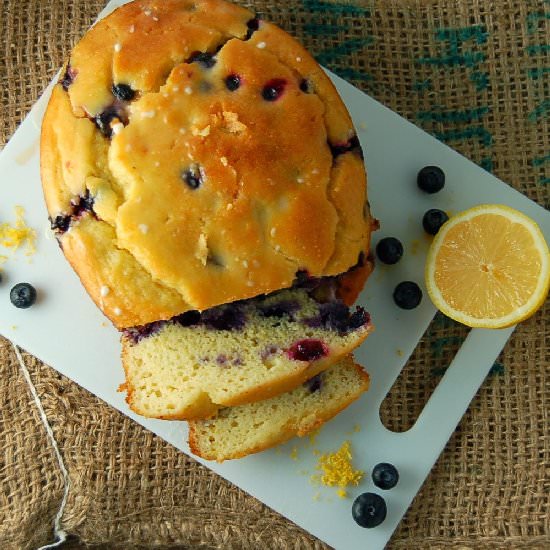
[(239, 431), (195, 158)]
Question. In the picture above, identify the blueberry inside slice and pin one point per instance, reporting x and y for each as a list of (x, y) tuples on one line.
[(314, 384), (309, 349), (230, 317)]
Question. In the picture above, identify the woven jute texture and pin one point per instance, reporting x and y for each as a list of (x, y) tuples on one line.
[(475, 73)]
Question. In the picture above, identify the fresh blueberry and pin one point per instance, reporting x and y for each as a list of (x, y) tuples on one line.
[(308, 349), (314, 384), (433, 220), (369, 510), (232, 82), (193, 176), (389, 250), (385, 475), (123, 92), (273, 89), (204, 59), (431, 179), (407, 295), (23, 295), (252, 26)]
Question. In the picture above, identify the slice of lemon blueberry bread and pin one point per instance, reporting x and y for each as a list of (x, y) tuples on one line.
[(195, 158), (190, 366), (239, 431)]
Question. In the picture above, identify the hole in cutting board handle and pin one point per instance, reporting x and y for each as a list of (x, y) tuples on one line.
[(422, 373)]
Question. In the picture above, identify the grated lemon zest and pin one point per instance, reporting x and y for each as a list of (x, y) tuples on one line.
[(17, 235), (336, 470)]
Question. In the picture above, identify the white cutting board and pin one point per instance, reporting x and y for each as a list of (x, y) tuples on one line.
[(66, 330)]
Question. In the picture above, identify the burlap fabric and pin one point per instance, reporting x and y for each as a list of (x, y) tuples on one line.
[(474, 72)]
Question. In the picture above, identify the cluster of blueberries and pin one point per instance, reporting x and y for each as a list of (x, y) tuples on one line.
[(407, 294), (369, 509)]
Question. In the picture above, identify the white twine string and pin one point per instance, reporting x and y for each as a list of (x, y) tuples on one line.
[(60, 535)]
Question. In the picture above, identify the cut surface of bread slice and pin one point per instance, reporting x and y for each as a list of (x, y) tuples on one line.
[(189, 367), (239, 431)]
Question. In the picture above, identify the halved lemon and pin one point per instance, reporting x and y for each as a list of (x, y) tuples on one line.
[(488, 267)]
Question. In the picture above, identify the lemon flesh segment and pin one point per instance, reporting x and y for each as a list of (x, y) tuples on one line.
[(488, 267)]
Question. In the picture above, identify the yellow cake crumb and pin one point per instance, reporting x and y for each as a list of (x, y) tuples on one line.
[(399, 352), (356, 429), (313, 436), (337, 470), (17, 235), (317, 496), (294, 453)]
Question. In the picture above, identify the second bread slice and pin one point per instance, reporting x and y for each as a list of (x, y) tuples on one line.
[(247, 429)]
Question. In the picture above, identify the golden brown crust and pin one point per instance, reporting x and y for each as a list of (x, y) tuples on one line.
[(273, 198)]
